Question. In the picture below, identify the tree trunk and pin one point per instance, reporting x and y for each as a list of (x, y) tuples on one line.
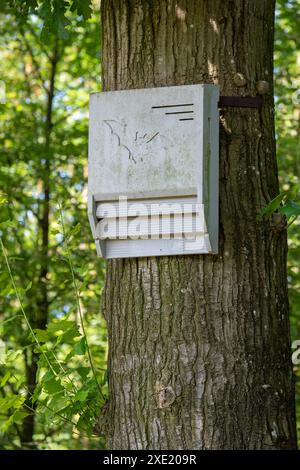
[(199, 349)]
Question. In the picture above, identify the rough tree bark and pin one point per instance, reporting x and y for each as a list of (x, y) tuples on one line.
[(199, 351)]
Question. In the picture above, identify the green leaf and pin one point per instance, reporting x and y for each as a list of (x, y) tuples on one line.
[(81, 395), (84, 423), (105, 378), (36, 393), (5, 378), (23, 290), (53, 386), (74, 231), (83, 372), (19, 415), (11, 355), (41, 335), (45, 10), (80, 347), (290, 209), (28, 287), (8, 289), (69, 335), (272, 206), (11, 401), (70, 355), (5, 425), (8, 224), (83, 8), (60, 326), (3, 199), (58, 402), (48, 376), (15, 418)]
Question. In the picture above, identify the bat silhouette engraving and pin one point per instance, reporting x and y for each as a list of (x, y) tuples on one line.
[(135, 143)]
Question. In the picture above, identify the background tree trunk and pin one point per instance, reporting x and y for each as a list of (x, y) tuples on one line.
[(199, 353), (39, 313)]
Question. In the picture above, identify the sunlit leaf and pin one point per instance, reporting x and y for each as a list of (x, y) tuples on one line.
[(290, 209), (80, 347), (53, 386), (272, 206), (5, 378)]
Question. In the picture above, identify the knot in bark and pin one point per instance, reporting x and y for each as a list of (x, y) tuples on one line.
[(165, 396), (262, 87), (277, 222), (239, 79)]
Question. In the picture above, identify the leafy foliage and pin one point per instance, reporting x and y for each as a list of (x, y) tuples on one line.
[(54, 14), (46, 373), (285, 204)]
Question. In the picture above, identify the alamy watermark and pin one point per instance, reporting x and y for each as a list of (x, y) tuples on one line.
[(133, 219), (296, 353), (296, 97)]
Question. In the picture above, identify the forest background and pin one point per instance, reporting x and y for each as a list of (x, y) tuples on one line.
[(53, 346)]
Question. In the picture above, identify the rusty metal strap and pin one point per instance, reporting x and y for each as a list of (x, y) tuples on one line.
[(240, 102)]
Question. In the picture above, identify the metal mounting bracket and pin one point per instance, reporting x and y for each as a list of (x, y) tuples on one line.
[(240, 102)]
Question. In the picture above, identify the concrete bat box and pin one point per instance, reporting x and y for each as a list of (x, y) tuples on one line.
[(153, 171)]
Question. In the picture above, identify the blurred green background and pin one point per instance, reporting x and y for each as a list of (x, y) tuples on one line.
[(51, 390)]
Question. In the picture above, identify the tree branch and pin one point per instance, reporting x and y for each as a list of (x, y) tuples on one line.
[(33, 60)]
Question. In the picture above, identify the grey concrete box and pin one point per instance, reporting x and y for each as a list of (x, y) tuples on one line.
[(153, 171)]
